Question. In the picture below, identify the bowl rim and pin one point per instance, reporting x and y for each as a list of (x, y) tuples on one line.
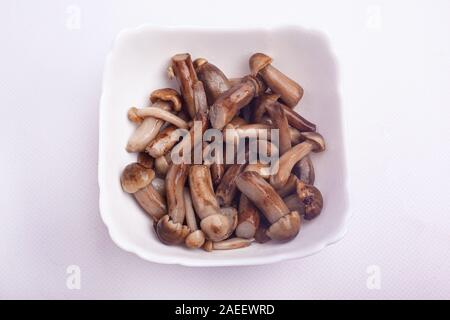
[(126, 245)]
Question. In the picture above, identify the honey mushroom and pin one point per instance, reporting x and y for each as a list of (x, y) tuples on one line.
[(231, 101), (186, 76), (284, 224), (136, 180), (289, 90), (213, 222), (235, 204), (314, 143), (163, 99), (170, 228)]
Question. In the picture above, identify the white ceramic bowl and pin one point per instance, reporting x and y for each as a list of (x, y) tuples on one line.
[(137, 65)]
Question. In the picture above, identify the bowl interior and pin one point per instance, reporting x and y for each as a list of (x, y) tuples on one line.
[(137, 65)]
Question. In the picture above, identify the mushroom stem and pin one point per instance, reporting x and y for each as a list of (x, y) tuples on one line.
[(260, 104), (163, 143), (183, 70), (290, 91), (279, 121), (202, 193), (294, 119), (263, 195), (287, 162), (230, 102), (201, 103), (289, 187), (261, 168), (234, 81), (175, 180), (162, 165), (147, 130), (294, 204), (304, 170), (160, 114), (191, 221), (226, 190), (217, 172), (196, 238), (313, 142), (248, 219), (159, 185), (230, 244), (214, 80)]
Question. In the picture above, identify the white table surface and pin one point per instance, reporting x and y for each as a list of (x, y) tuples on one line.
[(394, 70)]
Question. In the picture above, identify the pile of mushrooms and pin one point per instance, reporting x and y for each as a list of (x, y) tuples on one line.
[(223, 206)]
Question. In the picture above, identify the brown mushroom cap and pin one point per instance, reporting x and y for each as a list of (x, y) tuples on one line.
[(317, 140), (199, 62), (167, 94), (216, 227), (195, 239), (135, 177), (169, 232), (132, 115), (145, 160), (259, 61), (312, 199), (286, 228)]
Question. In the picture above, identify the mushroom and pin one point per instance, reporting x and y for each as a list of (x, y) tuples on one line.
[(284, 224), (217, 172), (314, 142), (248, 219), (307, 200), (261, 235), (183, 70), (261, 168), (136, 179), (235, 123), (214, 224), (158, 113), (217, 169), (196, 238), (260, 103), (162, 165), (164, 99), (164, 142), (226, 190), (289, 90), (145, 160), (229, 244), (232, 215), (214, 80), (201, 103), (159, 185), (170, 228), (167, 94), (234, 81), (279, 121), (296, 136), (294, 119), (289, 187), (304, 170), (231, 101)]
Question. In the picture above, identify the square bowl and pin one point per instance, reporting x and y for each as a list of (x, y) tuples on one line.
[(137, 65)]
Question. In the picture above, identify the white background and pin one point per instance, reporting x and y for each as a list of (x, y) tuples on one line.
[(394, 69)]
